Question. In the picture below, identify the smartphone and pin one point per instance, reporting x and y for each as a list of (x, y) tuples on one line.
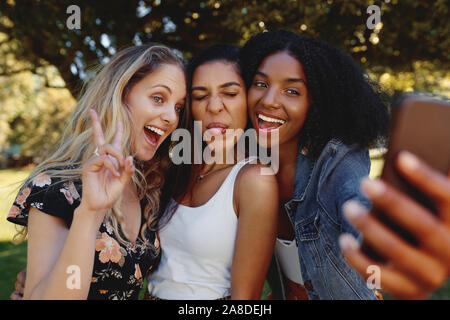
[(421, 126)]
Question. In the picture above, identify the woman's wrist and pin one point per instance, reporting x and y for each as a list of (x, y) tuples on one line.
[(88, 217)]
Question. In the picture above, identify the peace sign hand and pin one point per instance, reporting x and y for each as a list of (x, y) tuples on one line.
[(105, 176)]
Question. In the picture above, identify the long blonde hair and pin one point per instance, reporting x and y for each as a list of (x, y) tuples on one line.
[(106, 93)]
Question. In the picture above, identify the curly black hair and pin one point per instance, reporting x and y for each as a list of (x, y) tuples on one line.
[(346, 104)]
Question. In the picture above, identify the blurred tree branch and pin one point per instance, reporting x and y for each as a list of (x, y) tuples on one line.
[(12, 72), (411, 30)]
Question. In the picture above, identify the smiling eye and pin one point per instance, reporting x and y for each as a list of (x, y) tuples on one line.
[(230, 94), (260, 84), (157, 99), (293, 91)]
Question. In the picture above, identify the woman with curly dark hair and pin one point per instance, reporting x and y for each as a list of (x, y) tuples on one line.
[(327, 114)]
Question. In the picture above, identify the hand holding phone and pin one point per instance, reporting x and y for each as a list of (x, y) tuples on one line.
[(408, 233), (420, 126), (408, 271)]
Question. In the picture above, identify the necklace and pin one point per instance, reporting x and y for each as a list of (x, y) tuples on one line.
[(202, 176)]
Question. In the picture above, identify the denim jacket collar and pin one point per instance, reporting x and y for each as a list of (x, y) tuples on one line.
[(305, 166), (320, 187), (303, 174)]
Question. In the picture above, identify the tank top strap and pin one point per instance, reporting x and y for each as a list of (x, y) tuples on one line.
[(236, 168), (225, 193)]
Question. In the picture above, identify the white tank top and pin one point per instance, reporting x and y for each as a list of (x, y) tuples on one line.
[(197, 248), (288, 258)]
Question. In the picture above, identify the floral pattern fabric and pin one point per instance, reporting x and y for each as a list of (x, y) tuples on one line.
[(119, 269)]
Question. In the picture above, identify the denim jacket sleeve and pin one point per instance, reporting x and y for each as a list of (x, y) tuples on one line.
[(344, 184), (319, 222)]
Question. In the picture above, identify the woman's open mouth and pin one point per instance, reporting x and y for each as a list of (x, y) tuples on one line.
[(266, 123), (216, 129), (153, 134)]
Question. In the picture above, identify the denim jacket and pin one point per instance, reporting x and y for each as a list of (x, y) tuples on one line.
[(320, 189)]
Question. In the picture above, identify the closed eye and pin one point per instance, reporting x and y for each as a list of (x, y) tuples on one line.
[(230, 94), (199, 98)]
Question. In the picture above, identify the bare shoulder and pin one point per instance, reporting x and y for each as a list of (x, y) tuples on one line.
[(257, 172), (256, 188)]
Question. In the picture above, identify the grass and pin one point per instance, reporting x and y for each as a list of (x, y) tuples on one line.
[(13, 257)]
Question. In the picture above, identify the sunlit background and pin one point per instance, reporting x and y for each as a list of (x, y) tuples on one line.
[(43, 64)]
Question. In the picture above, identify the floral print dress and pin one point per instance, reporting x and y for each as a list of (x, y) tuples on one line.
[(118, 269)]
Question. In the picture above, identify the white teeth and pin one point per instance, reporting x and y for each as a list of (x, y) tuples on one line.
[(156, 130), (268, 119)]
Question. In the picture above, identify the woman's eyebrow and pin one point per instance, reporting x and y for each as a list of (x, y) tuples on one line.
[(163, 86), (261, 74), (225, 85), (198, 88), (290, 80), (229, 84)]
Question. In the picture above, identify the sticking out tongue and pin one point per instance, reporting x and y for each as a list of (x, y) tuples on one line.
[(152, 136), (216, 131), (268, 125)]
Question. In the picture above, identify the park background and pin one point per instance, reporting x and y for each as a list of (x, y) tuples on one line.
[(43, 64)]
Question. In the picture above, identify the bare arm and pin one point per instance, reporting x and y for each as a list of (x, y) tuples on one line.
[(258, 210), (52, 248)]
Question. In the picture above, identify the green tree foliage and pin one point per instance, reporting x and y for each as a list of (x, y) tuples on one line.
[(32, 114), (408, 50), (411, 30)]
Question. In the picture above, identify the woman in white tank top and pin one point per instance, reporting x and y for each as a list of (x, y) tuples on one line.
[(219, 239)]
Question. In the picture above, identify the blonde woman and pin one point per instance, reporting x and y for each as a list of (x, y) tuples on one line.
[(90, 210)]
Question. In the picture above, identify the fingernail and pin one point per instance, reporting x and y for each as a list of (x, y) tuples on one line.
[(374, 188), (408, 160), (353, 210), (347, 242)]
